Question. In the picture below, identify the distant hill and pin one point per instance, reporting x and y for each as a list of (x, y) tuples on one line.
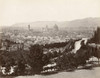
[(87, 22), (78, 24)]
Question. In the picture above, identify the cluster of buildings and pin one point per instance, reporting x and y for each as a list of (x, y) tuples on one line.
[(28, 37), (22, 41), (47, 29)]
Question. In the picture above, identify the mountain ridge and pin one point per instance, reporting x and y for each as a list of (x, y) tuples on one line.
[(86, 22)]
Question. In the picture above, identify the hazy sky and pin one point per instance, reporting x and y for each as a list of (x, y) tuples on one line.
[(15, 11)]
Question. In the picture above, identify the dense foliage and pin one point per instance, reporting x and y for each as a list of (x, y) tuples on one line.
[(33, 61), (96, 36), (55, 45), (36, 55)]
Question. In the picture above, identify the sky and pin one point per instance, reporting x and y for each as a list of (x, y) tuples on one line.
[(19, 11)]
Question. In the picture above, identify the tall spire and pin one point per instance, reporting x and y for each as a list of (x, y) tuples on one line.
[(29, 27)]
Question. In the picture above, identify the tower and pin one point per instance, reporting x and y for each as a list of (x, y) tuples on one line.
[(56, 27), (29, 27)]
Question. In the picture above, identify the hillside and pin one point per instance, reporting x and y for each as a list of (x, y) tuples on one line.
[(79, 23)]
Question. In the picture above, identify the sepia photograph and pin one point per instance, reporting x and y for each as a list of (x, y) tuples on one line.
[(49, 38)]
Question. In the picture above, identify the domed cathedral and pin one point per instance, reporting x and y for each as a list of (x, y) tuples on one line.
[(55, 27)]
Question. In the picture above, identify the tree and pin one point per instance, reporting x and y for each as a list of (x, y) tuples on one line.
[(96, 36), (36, 62)]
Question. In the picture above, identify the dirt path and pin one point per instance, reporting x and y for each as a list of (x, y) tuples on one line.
[(94, 73)]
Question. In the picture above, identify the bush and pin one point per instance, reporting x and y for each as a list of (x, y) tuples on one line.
[(66, 61)]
